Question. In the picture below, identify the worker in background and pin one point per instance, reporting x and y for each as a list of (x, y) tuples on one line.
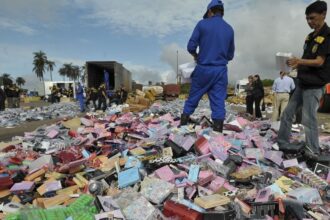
[(249, 96), (258, 95), (313, 74), (16, 96), (70, 92), (123, 94), (91, 96), (2, 98), (9, 93), (80, 97), (53, 94), (282, 87), (102, 98), (215, 39)]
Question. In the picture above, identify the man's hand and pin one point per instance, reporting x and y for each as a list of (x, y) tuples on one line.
[(293, 62), (195, 57)]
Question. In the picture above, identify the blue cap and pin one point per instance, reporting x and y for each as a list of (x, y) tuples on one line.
[(212, 4)]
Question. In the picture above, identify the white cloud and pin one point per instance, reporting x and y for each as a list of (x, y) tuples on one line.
[(263, 28), (32, 10), (260, 32), (156, 18), (169, 55), (7, 24), (144, 74)]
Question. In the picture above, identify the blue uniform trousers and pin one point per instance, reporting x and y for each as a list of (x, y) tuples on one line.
[(212, 80), (81, 102)]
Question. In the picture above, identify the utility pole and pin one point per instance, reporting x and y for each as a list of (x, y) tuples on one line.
[(177, 67)]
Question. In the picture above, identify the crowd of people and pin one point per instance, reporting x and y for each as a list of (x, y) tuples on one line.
[(254, 95), (58, 92), (11, 93), (212, 46), (100, 98)]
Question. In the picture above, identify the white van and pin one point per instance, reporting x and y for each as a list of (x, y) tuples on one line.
[(240, 87)]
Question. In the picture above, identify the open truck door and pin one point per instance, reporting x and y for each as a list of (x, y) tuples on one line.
[(325, 100)]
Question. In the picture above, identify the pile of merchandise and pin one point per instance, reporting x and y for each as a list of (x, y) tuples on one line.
[(143, 165)]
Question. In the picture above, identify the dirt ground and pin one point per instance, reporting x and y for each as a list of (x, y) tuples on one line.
[(7, 133)]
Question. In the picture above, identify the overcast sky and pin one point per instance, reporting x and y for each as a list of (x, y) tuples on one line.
[(144, 35)]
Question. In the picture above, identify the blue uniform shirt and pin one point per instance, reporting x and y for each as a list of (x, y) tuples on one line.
[(215, 39)]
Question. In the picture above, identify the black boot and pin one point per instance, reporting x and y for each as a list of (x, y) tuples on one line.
[(218, 125), (184, 119)]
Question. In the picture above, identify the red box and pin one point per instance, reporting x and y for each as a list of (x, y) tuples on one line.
[(172, 89), (174, 209), (202, 145)]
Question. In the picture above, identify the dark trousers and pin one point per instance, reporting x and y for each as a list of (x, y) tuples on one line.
[(257, 101), (298, 115), (53, 98), (249, 104), (2, 105), (102, 103)]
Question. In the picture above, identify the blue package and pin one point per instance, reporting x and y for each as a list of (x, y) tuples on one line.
[(191, 205), (237, 143), (193, 173), (133, 162), (85, 153), (128, 177), (124, 153)]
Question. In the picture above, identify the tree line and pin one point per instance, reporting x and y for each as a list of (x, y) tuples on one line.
[(7, 80), (41, 65)]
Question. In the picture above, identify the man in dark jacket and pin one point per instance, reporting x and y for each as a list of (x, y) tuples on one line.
[(102, 98), (258, 95), (9, 94), (2, 98), (313, 74)]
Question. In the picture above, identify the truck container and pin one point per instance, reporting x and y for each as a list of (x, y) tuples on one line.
[(118, 75)]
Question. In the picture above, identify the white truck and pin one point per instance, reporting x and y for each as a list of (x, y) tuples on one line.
[(240, 87), (59, 84)]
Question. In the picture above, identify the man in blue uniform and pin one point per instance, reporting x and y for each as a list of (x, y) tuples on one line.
[(80, 97), (313, 74), (215, 39)]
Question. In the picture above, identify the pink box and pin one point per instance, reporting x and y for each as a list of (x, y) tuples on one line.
[(188, 143), (229, 187), (86, 122), (275, 156), (205, 177), (217, 183), (52, 134), (290, 163), (165, 173)]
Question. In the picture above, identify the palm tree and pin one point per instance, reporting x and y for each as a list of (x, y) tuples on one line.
[(75, 73), (6, 79), (40, 62), (66, 70), (50, 68), (20, 81)]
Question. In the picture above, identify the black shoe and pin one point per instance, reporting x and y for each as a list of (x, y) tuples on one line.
[(184, 119), (311, 155), (292, 148), (218, 125)]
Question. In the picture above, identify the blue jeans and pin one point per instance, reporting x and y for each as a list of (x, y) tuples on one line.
[(309, 100)]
